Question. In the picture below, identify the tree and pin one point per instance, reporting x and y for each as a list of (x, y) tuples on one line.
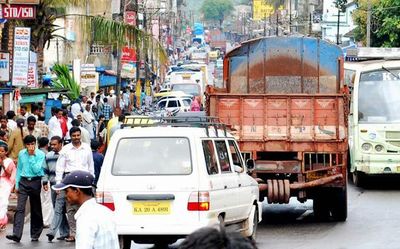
[(216, 10), (64, 80), (385, 22)]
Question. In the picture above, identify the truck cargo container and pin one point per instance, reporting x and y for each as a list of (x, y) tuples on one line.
[(283, 98)]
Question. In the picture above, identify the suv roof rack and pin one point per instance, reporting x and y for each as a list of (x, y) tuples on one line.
[(205, 122)]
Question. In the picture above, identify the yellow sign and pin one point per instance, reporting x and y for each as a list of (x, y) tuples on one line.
[(261, 10), (138, 92), (151, 207)]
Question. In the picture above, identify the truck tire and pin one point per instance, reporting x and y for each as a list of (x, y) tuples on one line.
[(339, 204), (321, 206), (358, 178)]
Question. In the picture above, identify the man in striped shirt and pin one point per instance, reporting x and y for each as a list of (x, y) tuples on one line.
[(107, 110)]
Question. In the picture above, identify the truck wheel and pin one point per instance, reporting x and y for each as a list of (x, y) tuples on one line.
[(358, 178), (339, 204), (124, 242), (321, 206)]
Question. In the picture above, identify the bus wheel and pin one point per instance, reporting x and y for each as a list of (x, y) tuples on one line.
[(358, 178)]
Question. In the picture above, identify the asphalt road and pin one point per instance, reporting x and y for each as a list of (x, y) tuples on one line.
[(373, 223)]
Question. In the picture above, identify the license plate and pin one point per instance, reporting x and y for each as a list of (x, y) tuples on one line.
[(151, 207)]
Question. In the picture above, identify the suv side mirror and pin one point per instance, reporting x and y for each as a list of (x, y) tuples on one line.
[(251, 164)]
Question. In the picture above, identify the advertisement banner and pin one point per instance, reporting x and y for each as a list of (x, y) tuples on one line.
[(32, 76), (4, 66), (22, 41), (128, 70), (261, 10)]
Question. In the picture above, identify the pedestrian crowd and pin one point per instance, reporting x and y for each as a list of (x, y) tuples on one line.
[(36, 155)]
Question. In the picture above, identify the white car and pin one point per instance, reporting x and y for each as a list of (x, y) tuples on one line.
[(164, 181), (171, 104)]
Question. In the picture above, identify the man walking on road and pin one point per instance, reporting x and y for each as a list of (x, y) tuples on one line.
[(28, 184), (74, 156), (59, 221), (95, 225)]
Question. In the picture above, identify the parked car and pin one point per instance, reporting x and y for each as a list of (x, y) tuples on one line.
[(163, 181)]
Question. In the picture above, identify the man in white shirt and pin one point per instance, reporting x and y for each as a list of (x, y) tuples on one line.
[(76, 109), (54, 124), (85, 135), (11, 120), (74, 156), (95, 224)]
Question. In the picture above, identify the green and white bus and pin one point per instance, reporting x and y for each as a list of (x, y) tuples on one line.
[(374, 120)]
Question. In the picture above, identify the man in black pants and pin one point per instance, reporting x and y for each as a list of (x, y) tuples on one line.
[(28, 184)]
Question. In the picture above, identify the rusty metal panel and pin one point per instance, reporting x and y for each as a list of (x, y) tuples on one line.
[(253, 118), (289, 65), (256, 67), (276, 119)]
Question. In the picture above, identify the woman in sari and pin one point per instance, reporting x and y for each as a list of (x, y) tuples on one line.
[(7, 181)]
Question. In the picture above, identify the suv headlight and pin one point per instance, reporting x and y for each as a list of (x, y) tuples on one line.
[(378, 148), (366, 146)]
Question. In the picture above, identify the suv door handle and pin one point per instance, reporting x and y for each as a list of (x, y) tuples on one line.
[(240, 184), (225, 187)]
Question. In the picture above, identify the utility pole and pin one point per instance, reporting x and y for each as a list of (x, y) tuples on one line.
[(277, 24), (265, 24), (338, 26), (369, 24), (310, 25), (119, 51)]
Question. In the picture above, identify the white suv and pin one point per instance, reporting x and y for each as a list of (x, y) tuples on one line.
[(164, 181)]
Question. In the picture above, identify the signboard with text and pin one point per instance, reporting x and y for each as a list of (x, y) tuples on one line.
[(18, 11), (261, 10), (22, 41), (12, 11), (4, 66), (32, 76)]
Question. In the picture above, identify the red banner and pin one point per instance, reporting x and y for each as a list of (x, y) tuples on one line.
[(128, 54)]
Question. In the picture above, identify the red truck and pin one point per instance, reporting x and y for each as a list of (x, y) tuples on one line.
[(284, 100), (217, 40)]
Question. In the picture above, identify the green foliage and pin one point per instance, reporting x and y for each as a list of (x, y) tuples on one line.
[(216, 10), (64, 80), (385, 22)]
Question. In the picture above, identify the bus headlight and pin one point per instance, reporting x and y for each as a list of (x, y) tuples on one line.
[(366, 146), (378, 148)]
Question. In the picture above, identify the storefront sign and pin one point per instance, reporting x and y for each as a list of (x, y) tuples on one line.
[(20, 1), (32, 76), (128, 70), (22, 40), (11, 11), (4, 66)]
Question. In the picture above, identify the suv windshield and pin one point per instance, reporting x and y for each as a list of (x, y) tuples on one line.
[(152, 156)]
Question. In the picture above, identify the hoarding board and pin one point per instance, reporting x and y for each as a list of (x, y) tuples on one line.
[(32, 76), (22, 41)]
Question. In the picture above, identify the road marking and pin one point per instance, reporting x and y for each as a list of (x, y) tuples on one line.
[(304, 215)]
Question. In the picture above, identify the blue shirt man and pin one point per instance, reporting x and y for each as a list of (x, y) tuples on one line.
[(98, 159), (28, 184)]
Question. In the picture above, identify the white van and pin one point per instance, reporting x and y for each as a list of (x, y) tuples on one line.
[(163, 181)]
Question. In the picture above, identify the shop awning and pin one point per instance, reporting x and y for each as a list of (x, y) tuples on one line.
[(33, 98)]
